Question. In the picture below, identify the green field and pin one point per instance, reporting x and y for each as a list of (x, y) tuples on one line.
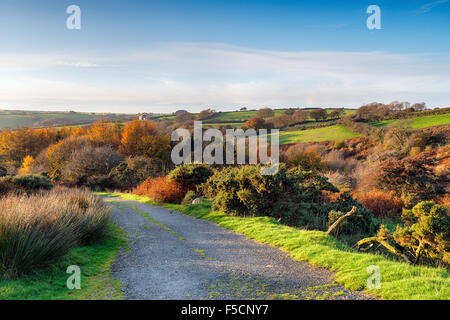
[(16, 119), (242, 116), (416, 123), (332, 133)]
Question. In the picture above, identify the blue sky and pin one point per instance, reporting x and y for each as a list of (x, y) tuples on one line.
[(132, 56)]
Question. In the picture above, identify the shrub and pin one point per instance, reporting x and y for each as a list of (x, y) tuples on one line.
[(360, 223), (335, 160), (3, 172), (161, 189), (5, 187), (291, 196), (423, 238), (308, 161), (25, 183), (59, 154), (412, 177), (319, 114), (37, 230), (257, 123), (90, 161), (188, 198), (135, 170), (27, 164), (381, 203), (98, 183), (339, 144), (191, 175)]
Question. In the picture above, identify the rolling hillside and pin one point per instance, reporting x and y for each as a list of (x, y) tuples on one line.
[(15, 119), (418, 122)]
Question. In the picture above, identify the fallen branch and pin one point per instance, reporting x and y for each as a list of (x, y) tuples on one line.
[(384, 243), (335, 224)]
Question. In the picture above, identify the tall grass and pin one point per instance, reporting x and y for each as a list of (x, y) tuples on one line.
[(38, 229)]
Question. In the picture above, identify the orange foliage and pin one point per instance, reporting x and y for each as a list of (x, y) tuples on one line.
[(256, 123), (78, 131), (104, 133), (134, 134), (161, 189), (15, 145), (445, 201), (381, 203), (27, 163)]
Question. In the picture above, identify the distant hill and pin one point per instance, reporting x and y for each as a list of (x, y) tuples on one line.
[(14, 119)]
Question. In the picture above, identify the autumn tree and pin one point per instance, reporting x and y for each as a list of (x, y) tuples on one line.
[(319, 114), (77, 131), (300, 116), (15, 145), (280, 121), (105, 133), (27, 163), (337, 113), (134, 134), (265, 113), (90, 161), (256, 123), (59, 154), (183, 117), (205, 114)]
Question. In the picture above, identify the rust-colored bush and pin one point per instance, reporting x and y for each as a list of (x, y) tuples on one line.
[(381, 203), (445, 201), (161, 189), (5, 187)]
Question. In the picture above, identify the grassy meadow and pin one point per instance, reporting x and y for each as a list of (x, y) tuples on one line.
[(332, 133), (16, 119), (417, 122)]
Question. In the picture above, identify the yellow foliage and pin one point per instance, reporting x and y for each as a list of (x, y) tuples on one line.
[(27, 163), (104, 133), (134, 136)]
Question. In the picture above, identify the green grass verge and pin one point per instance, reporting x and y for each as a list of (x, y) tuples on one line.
[(398, 280), (95, 263), (417, 122), (331, 133)]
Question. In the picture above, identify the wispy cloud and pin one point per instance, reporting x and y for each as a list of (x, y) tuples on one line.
[(200, 75), (429, 6)]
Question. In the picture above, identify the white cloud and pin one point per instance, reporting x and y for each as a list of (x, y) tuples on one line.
[(429, 6), (197, 75)]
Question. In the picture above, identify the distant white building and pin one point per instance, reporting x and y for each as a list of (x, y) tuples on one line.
[(145, 116)]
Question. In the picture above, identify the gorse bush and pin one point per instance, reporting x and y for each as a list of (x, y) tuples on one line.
[(130, 173), (308, 161), (188, 198), (24, 184), (291, 196), (161, 189), (426, 232), (423, 238), (36, 230), (191, 175)]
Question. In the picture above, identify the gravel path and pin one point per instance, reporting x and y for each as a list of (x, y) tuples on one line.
[(174, 256)]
